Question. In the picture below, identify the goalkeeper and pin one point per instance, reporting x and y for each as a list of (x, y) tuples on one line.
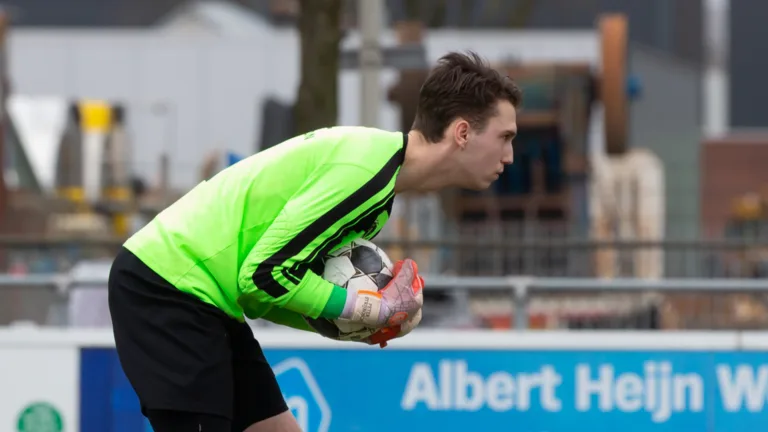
[(249, 243)]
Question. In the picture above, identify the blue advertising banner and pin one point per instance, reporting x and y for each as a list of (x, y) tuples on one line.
[(522, 391)]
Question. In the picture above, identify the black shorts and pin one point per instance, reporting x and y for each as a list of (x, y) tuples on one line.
[(181, 354)]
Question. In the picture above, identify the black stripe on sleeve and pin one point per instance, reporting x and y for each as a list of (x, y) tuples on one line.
[(262, 277)]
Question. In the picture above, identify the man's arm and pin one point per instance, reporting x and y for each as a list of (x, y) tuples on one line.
[(287, 318), (337, 199)]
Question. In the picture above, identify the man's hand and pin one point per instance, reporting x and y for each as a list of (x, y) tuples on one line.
[(394, 305), (386, 334)]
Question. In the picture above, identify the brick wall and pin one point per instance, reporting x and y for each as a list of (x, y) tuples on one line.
[(731, 167)]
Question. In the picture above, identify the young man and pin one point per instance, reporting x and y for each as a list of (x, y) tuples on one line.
[(248, 242)]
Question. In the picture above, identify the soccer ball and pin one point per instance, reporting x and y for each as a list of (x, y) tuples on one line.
[(360, 265)]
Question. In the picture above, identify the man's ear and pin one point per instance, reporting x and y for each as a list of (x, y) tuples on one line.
[(461, 133)]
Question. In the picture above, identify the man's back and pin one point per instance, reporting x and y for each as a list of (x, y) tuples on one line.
[(200, 243)]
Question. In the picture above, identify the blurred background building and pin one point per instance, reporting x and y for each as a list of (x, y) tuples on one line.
[(640, 150), (637, 202)]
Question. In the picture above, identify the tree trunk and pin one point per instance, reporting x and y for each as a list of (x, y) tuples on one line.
[(320, 29)]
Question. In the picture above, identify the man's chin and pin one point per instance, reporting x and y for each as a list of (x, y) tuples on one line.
[(480, 186)]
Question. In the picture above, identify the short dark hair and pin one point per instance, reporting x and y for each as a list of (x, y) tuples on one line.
[(461, 85)]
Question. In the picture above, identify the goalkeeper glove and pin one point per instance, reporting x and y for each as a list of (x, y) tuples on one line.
[(386, 334), (393, 305)]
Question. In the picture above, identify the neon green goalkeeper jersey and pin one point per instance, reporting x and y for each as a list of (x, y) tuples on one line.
[(252, 237)]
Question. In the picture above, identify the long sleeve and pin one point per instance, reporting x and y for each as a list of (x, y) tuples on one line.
[(338, 203), (287, 318)]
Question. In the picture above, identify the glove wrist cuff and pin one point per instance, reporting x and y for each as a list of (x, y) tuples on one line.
[(363, 307)]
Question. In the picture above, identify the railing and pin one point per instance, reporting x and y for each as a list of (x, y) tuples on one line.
[(488, 255), (79, 299), (479, 254), (577, 303)]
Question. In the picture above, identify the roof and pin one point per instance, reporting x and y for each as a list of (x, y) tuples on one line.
[(218, 17), (88, 13), (107, 13)]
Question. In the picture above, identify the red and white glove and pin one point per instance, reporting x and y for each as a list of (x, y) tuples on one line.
[(395, 306), (386, 334)]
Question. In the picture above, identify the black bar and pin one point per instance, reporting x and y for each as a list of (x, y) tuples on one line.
[(409, 56)]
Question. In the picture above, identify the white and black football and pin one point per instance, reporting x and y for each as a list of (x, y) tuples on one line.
[(359, 265)]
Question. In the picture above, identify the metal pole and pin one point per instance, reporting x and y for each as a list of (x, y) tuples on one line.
[(520, 301), (716, 75), (371, 16)]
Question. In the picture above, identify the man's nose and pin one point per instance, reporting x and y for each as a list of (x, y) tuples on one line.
[(509, 155)]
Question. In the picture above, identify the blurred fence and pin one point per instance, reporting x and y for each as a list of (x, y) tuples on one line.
[(587, 303), (29, 255), (78, 298), (558, 257), (480, 255)]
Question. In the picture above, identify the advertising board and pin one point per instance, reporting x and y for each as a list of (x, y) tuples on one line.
[(530, 391), (527, 382), (38, 389)]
